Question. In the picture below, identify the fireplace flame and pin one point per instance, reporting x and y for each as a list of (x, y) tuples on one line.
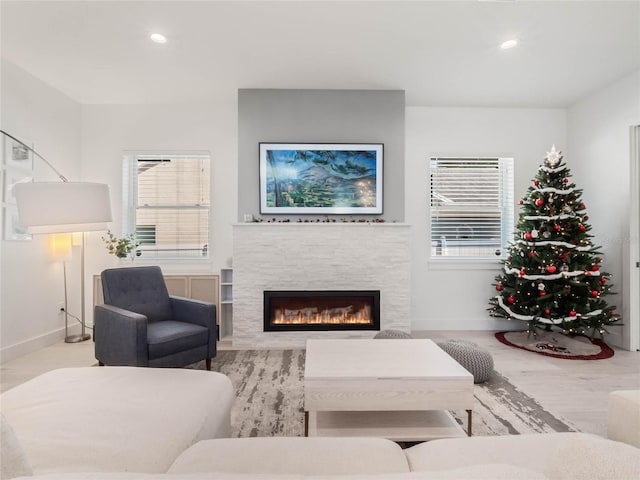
[(332, 316)]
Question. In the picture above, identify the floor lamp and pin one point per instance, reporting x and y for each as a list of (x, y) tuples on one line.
[(63, 207)]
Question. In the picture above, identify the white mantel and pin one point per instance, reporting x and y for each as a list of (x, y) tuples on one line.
[(318, 256)]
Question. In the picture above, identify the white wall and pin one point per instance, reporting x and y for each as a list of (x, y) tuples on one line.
[(454, 296), (108, 130), (31, 283), (598, 147), (86, 142)]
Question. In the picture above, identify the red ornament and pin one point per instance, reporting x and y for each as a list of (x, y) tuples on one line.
[(585, 218), (557, 228), (539, 202), (521, 201), (566, 180), (532, 254), (595, 268), (542, 293), (511, 299), (603, 280), (572, 313), (498, 287), (551, 269), (522, 272), (582, 206), (582, 228), (594, 293), (613, 313), (547, 311), (527, 236), (536, 183)]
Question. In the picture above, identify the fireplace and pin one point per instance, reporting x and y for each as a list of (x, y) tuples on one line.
[(321, 310)]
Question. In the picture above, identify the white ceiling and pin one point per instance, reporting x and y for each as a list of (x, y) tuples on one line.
[(442, 53)]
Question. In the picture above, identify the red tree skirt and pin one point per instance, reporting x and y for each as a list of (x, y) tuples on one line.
[(554, 348)]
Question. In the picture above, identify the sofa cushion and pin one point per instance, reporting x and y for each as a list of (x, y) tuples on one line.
[(468, 451), (168, 337), (293, 455), (479, 472), (116, 418), (594, 458), (13, 459)]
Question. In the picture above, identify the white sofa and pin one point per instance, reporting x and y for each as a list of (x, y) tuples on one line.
[(144, 429), (116, 419), (623, 422)]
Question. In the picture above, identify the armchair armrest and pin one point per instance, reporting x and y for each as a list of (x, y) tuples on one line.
[(200, 313), (121, 336), (193, 311)]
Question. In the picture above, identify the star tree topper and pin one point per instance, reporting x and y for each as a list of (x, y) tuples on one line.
[(553, 157)]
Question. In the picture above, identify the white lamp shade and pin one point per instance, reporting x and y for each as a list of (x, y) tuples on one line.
[(58, 207)]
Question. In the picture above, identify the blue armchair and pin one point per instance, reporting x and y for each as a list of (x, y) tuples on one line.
[(140, 324)]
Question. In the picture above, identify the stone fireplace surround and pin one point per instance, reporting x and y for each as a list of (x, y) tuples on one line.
[(317, 256)]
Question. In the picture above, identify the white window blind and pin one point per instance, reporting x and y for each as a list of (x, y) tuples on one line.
[(167, 203), (472, 206)]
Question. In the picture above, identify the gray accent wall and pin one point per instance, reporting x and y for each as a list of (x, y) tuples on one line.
[(321, 116)]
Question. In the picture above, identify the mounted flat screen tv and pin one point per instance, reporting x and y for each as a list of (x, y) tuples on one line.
[(321, 178)]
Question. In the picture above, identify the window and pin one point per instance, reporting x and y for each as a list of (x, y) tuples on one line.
[(471, 207), (166, 200)]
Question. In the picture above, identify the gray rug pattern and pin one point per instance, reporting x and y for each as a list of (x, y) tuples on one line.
[(502, 409), (269, 398)]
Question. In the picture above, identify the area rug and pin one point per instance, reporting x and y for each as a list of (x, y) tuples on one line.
[(555, 344), (269, 398)]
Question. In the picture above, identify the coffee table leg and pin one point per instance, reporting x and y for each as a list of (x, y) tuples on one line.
[(306, 424), (469, 418)]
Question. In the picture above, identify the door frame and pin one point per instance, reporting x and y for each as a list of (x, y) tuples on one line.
[(632, 314)]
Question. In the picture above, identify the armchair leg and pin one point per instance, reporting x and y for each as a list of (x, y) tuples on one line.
[(208, 362)]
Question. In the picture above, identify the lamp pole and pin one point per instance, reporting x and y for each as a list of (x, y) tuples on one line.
[(83, 335), (60, 176)]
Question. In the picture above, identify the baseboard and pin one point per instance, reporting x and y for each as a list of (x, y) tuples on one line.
[(30, 345)]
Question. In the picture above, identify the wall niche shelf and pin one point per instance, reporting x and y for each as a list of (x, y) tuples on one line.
[(225, 313)]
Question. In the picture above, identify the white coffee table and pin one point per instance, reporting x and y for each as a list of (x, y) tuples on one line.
[(396, 389)]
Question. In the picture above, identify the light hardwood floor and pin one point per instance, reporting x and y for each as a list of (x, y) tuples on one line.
[(575, 390)]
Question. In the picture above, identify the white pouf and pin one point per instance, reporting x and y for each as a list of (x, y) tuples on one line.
[(477, 360)]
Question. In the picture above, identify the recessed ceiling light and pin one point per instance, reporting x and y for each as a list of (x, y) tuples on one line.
[(509, 44), (158, 38)]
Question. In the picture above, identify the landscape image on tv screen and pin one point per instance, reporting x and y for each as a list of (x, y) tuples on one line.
[(321, 178)]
